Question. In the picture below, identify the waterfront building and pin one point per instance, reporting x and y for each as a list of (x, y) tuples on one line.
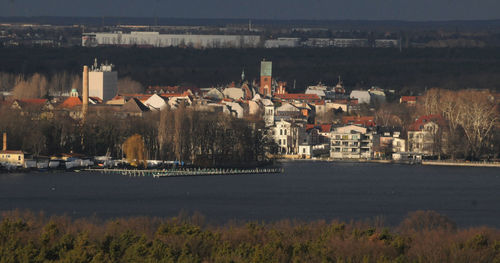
[(351, 142), (425, 135), (286, 134), (9, 157)]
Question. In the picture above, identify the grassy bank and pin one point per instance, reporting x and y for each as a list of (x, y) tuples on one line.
[(421, 237)]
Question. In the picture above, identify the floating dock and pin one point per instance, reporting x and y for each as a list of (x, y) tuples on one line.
[(187, 172)]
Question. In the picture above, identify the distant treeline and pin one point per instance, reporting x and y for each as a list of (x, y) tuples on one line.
[(424, 236), (383, 25), (409, 71)]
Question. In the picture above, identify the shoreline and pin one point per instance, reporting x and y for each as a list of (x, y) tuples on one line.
[(424, 162)]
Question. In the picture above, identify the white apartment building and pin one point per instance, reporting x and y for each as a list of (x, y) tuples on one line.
[(351, 142)]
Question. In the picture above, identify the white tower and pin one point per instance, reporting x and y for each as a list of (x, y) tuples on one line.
[(103, 81)]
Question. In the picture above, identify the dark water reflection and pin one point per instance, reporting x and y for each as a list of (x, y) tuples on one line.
[(308, 190)]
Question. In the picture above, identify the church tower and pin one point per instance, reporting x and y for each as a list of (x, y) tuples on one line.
[(266, 68)]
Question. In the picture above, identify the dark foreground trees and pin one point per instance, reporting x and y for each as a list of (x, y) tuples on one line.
[(28, 237)]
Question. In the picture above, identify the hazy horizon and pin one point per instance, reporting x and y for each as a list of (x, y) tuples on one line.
[(369, 10)]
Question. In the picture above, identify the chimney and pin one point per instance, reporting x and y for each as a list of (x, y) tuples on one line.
[(85, 90), (4, 142)]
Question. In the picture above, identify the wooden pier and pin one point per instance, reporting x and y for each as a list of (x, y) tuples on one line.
[(187, 172)]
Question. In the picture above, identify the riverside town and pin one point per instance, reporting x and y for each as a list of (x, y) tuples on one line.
[(109, 122)]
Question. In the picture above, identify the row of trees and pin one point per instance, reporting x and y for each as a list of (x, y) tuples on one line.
[(198, 137), (422, 237), (472, 121), (41, 86)]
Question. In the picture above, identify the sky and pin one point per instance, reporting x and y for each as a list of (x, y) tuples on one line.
[(409, 10)]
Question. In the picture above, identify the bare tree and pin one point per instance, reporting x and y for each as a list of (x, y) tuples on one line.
[(129, 86), (478, 116), (35, 87)]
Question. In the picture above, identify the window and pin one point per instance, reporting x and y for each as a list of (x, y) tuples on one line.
[(337, 137), (281, 132), (19, 158), (279, 142), (303, 150), (355, 137), (345, 137), (285, 132), (345, 143), (284, 142)]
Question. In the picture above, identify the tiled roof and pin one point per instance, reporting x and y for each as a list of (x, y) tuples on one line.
[(367, 121), (71, 102), (321, 127), (408, 98), (422, 120), (297, 96), (11, 152)]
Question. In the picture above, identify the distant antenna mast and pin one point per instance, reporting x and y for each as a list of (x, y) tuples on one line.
[(294, 81)]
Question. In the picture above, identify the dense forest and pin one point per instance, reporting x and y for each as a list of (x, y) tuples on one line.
[(423, 236), (409, 71)]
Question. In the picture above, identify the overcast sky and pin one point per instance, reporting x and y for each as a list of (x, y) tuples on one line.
[(261, 9)]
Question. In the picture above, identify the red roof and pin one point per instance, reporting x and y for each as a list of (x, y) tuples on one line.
[(321, 127), (326, 127), (367, 121), (32, 101), (408, 99), (11, 152), (422, 120), (71, 102), (297, 96)]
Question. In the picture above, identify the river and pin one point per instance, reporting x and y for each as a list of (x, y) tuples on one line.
[(307, 190)]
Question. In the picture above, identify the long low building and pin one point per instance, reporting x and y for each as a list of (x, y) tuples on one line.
[(155, 39)]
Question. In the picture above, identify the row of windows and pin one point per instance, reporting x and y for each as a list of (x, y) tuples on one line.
[(353, 150), (338, 143), (8, 156)]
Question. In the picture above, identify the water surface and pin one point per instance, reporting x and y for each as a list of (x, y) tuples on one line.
[(307, 190)]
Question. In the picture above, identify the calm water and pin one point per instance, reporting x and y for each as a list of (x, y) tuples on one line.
[(307, 190)]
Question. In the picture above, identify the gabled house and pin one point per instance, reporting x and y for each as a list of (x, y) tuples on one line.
[(287, 135), (425, 135), (133, 107), (175, 100), (234, 93), (156, 103)]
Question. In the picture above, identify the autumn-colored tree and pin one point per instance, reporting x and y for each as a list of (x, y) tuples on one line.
[(134, 150)]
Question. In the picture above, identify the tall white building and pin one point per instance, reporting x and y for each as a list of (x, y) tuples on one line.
[(103, 81)]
